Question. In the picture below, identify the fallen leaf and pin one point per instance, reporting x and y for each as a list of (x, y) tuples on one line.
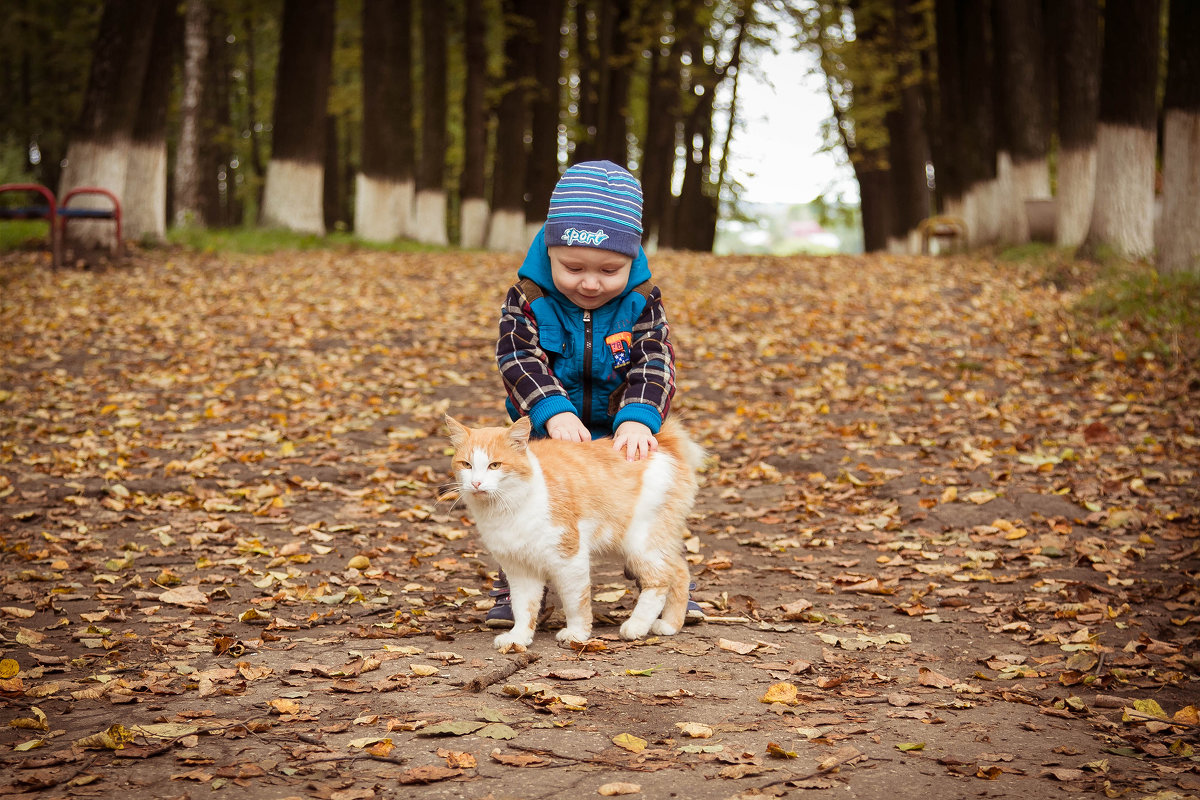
[(628, 741), (783, 692), (614, 789), (741, 648), (517, 759), (456, 759), (927, 677), (694, 730), (428, 774)]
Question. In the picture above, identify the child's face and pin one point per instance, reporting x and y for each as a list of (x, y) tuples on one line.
[(587, 276)]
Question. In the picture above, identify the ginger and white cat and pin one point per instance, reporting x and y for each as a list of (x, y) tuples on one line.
[(546, 508)]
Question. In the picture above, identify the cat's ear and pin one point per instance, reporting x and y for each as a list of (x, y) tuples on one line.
[(518, 434), (456, 431)]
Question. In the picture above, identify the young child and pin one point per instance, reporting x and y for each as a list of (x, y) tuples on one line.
[(584, 348)]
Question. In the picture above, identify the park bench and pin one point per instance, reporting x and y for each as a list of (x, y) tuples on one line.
[(946, 231), (58, 214), (47, 210)]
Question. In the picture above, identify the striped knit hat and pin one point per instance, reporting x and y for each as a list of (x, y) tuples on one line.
[(596, 204)]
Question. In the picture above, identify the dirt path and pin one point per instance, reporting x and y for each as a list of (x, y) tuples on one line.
[(953, 538)]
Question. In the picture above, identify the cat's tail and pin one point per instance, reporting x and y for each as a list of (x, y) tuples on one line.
[(674, 438)]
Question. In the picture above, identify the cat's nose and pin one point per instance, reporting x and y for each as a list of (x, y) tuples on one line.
[(475, 484)]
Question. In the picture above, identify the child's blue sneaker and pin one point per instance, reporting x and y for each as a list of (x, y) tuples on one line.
[(501, 614), (694, 612)]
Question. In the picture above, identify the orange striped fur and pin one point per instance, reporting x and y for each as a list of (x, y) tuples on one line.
[(546, 509)]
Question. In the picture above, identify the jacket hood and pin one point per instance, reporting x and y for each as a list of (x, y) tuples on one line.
[(536, 268)]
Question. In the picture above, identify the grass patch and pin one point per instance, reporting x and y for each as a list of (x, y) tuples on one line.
[(24, 234), (1145, 312), (257, 241)]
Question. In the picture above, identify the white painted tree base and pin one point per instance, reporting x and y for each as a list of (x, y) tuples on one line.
[(382, 208), (293, 196), (1076, 195), (473, 223), (981, 212), (1019, 181), (103, 165), (429, 224), (1179, 231), (1123, 212), (144, 201), (506, 233)]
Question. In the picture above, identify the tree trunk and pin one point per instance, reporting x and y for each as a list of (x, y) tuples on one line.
[(662, 123), (981, 189), (616, 65), (294, 192), (1179, 231), (430, 225), (507, 228), (950, 115), (1123, 213), (98, 154), (384, 187), (1076, 26), (1022, 166), (474, 210), (908, 140), (875, 199), (189, 167), (589, 99), (144, 199), (218, 201), (542, 169)]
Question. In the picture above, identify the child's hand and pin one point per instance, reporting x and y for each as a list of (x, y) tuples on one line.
[(568, 427), (636, 438)]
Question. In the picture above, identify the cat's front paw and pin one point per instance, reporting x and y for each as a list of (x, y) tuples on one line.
[(634, 629), (578, 635), (508, 642), (660, 628)]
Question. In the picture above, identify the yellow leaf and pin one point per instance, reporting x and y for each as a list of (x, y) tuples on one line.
[(8, 668), (358, 562), (694, 730), (614, 789), (1188, 715), (630, 742), (381, 748), (785, 693), (38, 723), (950, 494), (1146, 707), (114, 738), (776, 751), (424, 670), (282, 705)]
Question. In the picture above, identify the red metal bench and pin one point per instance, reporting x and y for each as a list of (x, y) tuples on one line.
[(66, 213), (47, 211)]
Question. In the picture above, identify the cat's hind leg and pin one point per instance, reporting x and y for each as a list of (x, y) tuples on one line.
[(574, 584), (655, 582), (525, 588), (675, 608)]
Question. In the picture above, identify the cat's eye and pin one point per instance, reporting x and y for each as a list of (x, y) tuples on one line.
[(462, 464), (494, 465)]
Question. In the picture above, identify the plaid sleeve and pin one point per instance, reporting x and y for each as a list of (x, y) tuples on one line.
[(651, 376), (524, 365)]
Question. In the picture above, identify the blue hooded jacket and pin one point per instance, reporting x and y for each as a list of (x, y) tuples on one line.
[(590, 354)]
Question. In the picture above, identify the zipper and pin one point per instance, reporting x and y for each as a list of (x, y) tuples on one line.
[(587, 368)]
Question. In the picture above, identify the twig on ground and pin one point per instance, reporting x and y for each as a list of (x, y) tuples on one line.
[(481, 682), (319, 758), (816, 773)]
